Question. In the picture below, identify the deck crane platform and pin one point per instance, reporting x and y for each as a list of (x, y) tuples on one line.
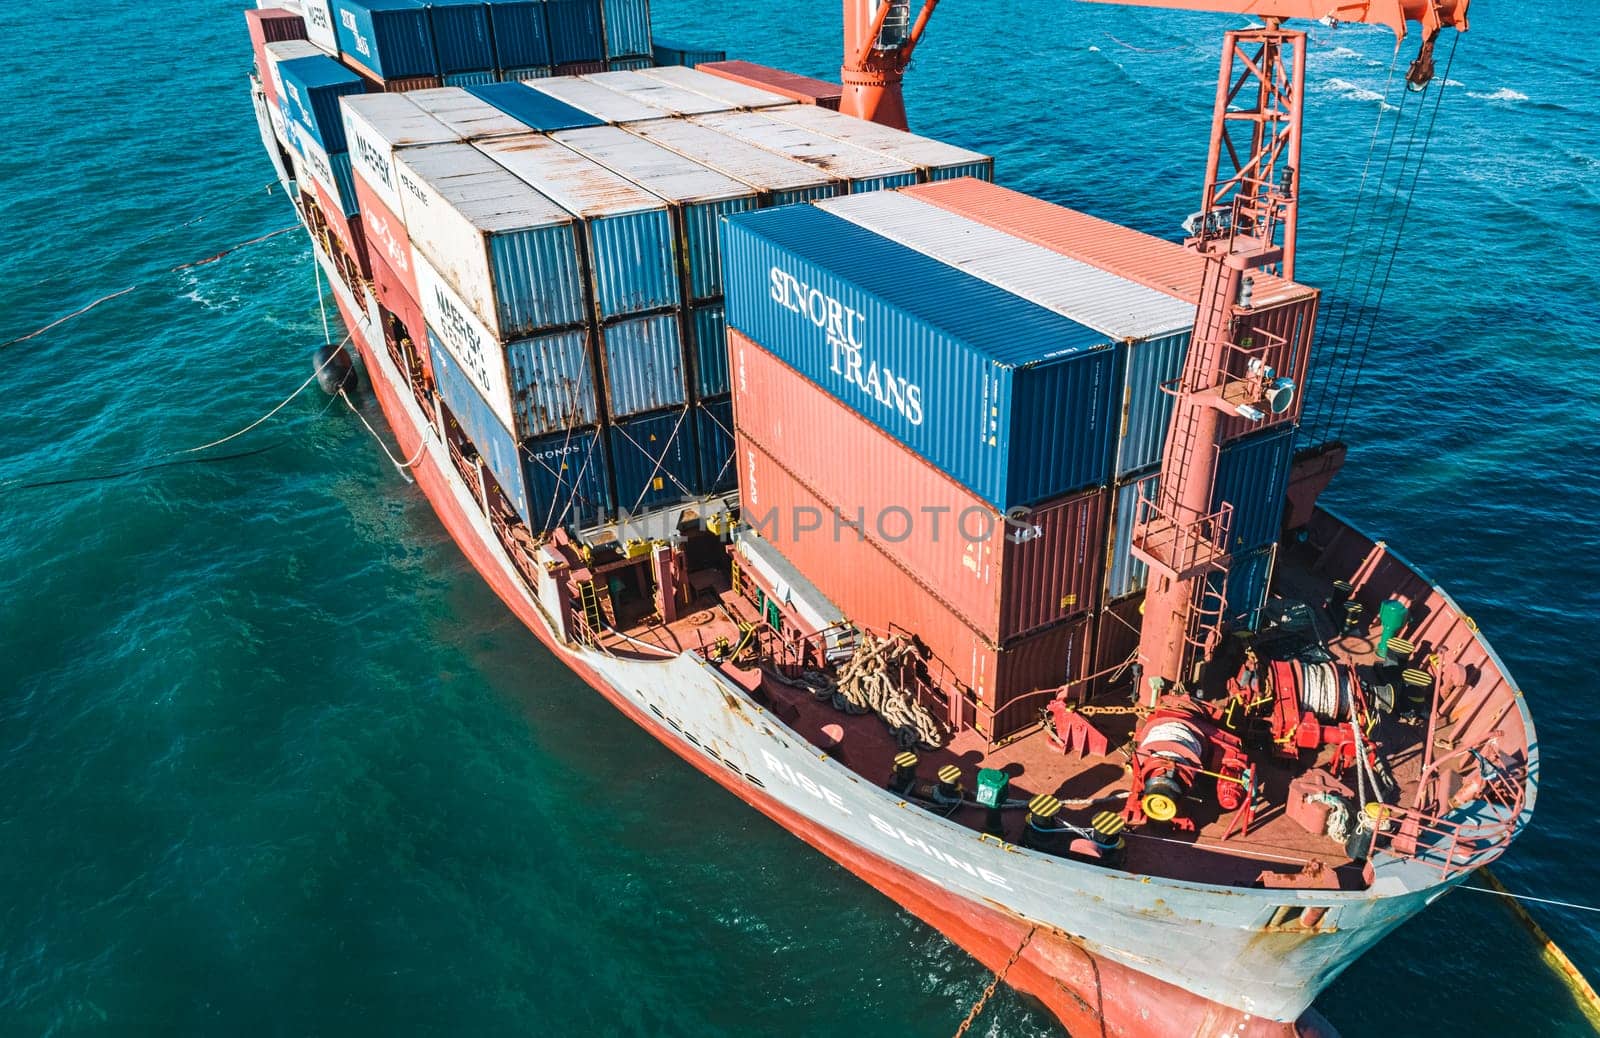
[(1247, 222)]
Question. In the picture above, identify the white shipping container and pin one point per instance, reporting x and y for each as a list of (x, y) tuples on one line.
[(658, 94), (320, 26), (458, 206), (650, 166), (774, 175), (317, 161), (599, 101), (469, 117), (940, 159), (286, 50), (864, 169), (734, 95), (376, 126), (474, 346)]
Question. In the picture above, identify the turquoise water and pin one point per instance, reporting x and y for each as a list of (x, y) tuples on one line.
[(273, 761)]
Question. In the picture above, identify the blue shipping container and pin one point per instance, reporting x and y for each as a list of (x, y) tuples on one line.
[(709, 328), (644, 364), (1008, 399), (536, 110), (714, 446), (566, 475), (461, 36), (1124, 573), (521, 40), (1246, 589), (344, 176), (496, 446), (1253, 475), (1146, 411), (627, 28), (702, 231), (552, 383), (575, 33), (392, 39), (634, 265), (667, 52), (312, 88), (654, 460)]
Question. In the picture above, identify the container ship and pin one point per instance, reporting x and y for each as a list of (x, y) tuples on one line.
[(970, 538)]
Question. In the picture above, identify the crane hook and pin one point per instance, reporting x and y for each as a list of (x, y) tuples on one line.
[(1420, 74)]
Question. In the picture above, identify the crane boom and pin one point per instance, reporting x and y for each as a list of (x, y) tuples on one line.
[(1432, 15)]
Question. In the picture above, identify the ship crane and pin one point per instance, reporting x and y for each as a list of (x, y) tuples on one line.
[(1247, 222)]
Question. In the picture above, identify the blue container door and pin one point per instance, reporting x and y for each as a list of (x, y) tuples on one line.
[(521, 39), (714, 446), (702, 234), (709, 327), (1146, 411), (1253, 476), (1124, 573), (393, 39), (566, 476), (537, 280), (462, 34), (552, 383), (627, 28), (575, 33), (654, 460), (495, 445), (1246, 590), (644, 364), (634, 262)]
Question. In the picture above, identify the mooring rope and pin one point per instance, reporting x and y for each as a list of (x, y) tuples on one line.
[(400, 466)]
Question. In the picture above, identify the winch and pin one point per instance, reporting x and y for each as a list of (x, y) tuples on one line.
[(1176, 746)]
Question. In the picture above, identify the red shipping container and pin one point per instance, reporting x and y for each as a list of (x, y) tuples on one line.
[(875, 592), (271, 25), (800, 88), (392, 294), (1004, 576), (387, 237), (1281, 307), (1116, 637)]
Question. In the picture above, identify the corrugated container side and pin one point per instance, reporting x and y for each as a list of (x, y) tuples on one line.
[(670, 52), (1007, 398), (567, 481), (644, 364), (575, 33), (462, 35), (552, 383), (714, 446), (580, 68), (526, 74), (483, 77), (1253, 475), (532, 108), (654, 460), (389, 38), (495, 444), (386, 238), (521, 39), (702, 233), (1116, 639), (322, 28), (804, 89), (627, 28), (1046, 660), (312, 88), (708, 324), (1245, 591), (393, 294), (1005, 577), (275, 54), (477, 351), (271, 26), (1125, 574), (1146, 411)]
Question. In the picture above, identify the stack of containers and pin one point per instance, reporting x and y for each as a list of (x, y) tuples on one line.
[(312, 88), (521, 39), (699, 199), (463, 41), (391, 42), (633, 257), (627, 31), (960, 432), (274, 55), (862, 170), (577, 41), (271, 25), (1253, 465)]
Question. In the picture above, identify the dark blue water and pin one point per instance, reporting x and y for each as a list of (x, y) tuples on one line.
[(272, 761)]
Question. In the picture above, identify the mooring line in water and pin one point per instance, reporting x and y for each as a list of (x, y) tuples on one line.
[(1582, 991), (173, 459), (994, 985), (400, 466), (137, 284)]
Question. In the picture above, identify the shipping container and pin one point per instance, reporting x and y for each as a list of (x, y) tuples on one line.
[(274, 55), (934, 160), (1116, 641), (1253, 476), (471, 79), (876, 593), (1125, 575), (378, 125), (322, 27), (654, 460), (671, 52), (567, 481), (461, 36), (469, 117), (391, 39), (731, 93), (1245, 588), (496, 446), (1283, 308), (575, 33), (708, 328), (1005, 574), (644, 364), (579, 68), (779, 180), (271, 26), (331, 175), (700, 197), (396, 297), (479, 352), (508, 251), (521, 38), (532, 108), (605, 104), (802, 89), (1008, 399), (864, 170), (627, 28), (714, 446), (552, 383), (386, 238), (526, 74), (666, 98), (1149, 329), (631, 246)]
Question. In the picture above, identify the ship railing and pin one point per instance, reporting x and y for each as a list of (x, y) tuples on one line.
[(1454, 845), (1178, 547)]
